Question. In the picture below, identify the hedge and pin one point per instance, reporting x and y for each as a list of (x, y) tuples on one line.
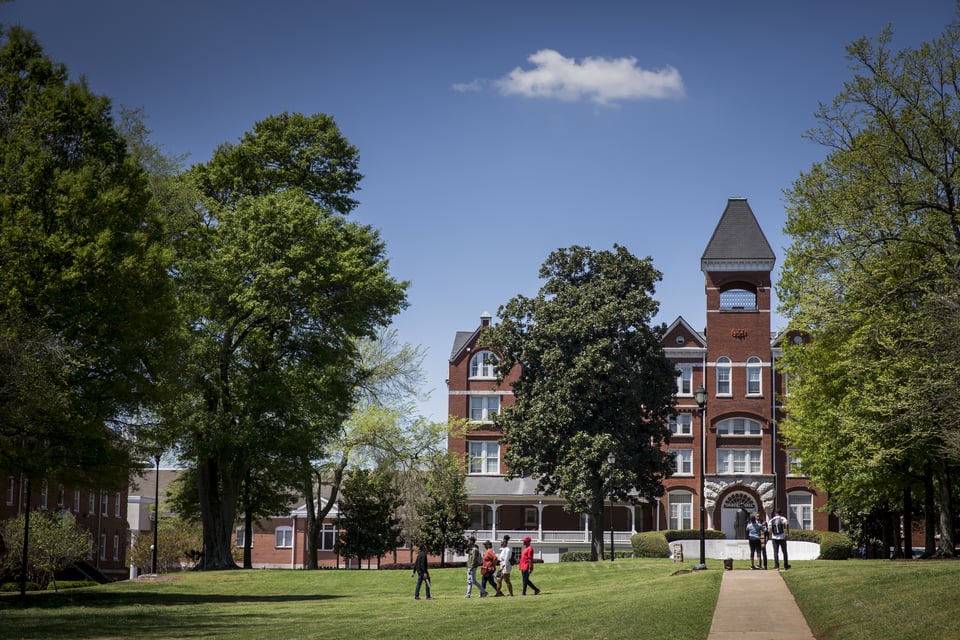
[(650, 544), (584, 556), (673, 535)]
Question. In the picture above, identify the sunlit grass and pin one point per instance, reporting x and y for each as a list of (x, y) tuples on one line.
[(847, 600)]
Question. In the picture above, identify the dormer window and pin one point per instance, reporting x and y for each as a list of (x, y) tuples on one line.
[(483, 365)]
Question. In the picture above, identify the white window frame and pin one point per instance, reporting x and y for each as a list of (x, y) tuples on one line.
[(328, 536), (44, 495), (679, 510), (724, 377), (682, 462), (76, 500), (750, 461), (103, 546), (800, 509), (283, 537), (483, 457), (739, 427), (104, 503), (116, 546), (240, 538), (484, 407), (91, 502), (530, 517), (685, 380), (11, 485), (117, 507), (794, 464), (754, 376), (483, 365), (681, 424), (61, 497)]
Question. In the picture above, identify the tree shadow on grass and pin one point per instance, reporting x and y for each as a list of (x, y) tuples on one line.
[(94, 598)]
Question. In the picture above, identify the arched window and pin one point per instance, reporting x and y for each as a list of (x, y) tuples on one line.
[(738, 427), (483, 365), (723, 376), (754, 377), (738, 300)]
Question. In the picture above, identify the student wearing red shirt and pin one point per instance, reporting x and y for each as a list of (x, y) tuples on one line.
[(526, 567)]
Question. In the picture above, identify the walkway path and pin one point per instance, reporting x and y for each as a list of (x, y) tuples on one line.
[(756, 605)]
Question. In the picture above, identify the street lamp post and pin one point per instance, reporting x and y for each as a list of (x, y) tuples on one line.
[(156, 512), (611, 459), (701, 396)]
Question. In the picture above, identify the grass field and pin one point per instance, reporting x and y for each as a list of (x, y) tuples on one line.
[(625, 599)]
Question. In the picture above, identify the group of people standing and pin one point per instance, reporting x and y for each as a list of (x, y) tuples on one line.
[(495, 568), (759, 531)]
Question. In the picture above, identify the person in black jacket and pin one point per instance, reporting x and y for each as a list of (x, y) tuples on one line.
[(423, 574)]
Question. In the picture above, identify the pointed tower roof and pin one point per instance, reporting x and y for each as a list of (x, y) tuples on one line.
[(738, 243)]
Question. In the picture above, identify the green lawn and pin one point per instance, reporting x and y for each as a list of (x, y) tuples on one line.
[(625, 599)]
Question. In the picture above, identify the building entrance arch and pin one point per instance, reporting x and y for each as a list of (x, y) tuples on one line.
[(735, 511)]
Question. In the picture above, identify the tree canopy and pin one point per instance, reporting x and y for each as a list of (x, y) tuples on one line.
[(874, 263), (277, 288), (84, 290), (593, 381)]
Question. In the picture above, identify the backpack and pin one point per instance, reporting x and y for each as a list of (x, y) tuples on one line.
[(513, 557), (776, 526)]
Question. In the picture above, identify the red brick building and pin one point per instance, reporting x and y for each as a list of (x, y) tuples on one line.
[(101, 512), (733, 359)]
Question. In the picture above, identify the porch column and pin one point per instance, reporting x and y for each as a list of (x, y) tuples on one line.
[(540, 521), (493, 525), (586, 528), (633, 519)]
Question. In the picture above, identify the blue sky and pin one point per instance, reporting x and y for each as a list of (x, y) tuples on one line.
[(491, 133)]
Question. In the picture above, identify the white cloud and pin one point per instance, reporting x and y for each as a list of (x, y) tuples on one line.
[(468, 87), (601, 80)]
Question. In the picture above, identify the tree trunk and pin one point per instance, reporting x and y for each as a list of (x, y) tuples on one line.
[(316, 517), (929, 512), (218, 488), (945, 496), (247, 524), (596, 527), (907, 523)]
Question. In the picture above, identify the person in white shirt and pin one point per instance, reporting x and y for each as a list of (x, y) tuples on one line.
[(779, 527), (505, 566)]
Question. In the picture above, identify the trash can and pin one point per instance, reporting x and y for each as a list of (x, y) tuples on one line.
[(728, 564)]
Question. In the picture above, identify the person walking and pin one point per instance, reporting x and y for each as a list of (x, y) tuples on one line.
[(526, 567), (506, 564), (754, 533), (473, 563), (488, 566), (764, 536), (422, 572), (779, 528)]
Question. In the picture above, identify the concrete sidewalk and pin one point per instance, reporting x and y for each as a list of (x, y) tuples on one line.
[(756, 605)]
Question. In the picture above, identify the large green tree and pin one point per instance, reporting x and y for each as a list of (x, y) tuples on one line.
[(278, 286), (873, 264), (442, 518), (368, 515), (84, 291), (593, 381)]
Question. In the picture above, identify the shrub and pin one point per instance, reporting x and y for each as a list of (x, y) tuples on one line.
[(13, 587), (693, 534), (650, 544), (70, 584), (834, 546), (584, 556)]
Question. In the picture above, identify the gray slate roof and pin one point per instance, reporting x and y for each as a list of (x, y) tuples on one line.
[(737, 238)]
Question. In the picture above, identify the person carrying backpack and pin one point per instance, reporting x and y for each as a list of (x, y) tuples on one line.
[(779, 528)]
